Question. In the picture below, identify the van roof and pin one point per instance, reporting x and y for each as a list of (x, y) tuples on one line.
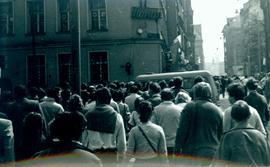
[(165, 76)]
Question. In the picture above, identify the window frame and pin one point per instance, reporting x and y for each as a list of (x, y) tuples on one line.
[(9, 19), (99, 11), (58, 20), (28, 29)]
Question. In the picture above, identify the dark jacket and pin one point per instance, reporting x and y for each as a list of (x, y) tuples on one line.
[(199, 130), (16, 113), (246, 145), (258, 101)]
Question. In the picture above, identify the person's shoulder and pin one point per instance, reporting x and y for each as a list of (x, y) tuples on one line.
[(5, 123), (155, 126), (86, 154)]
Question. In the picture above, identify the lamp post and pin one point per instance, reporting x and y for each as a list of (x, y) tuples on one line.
[(75, 44)]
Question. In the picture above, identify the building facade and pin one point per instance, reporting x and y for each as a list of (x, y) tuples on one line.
[(244, 41), (265, 5), (199, 55), (233, 47), (119, 39), (252, 23)]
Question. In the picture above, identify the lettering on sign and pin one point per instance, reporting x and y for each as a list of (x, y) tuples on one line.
[(145, 13)]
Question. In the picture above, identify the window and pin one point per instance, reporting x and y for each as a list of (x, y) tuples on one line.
[(35, 16), (64, 15), (65, 68), (99, 67), (36, 70), (97, 15), (6, 18)]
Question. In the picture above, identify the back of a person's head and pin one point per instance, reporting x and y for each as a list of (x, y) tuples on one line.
[(178, 82), (163, 84), (202, 90), (133, 89), (75, 103), (154, 87), (236, 90), (240, 111), (145, 111), (103, 96), (84, 86), (182, 97), (19, 91), (198, 79), (32, 122), (118, 95), (166, 94), (53, 93), (252, 83), (68, 126), (41, 93), (137, 102)]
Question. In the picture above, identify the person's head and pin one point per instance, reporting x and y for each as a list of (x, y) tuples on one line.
[(163, 84), (134, 89), (103, 96), (41, 93), (154, 88), (19, 92), (68, 126), (83, 86), (198, 79), (53, 93), (33, 122), (178, 82), (118, 96), (75, 103), (202, 90), (137, 102), (236, 91), (240, 111), (145, 111), (182, 97), (166, 94), (252, 83)]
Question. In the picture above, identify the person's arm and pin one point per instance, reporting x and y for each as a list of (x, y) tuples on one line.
[(120, 137), (8, 144), (183, 130)]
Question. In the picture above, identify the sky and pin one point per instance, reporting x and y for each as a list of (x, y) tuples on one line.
[(212, 14)]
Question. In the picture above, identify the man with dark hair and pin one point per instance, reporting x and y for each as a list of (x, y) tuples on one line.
[(66, 149), (200, 126), (257, 100), (236, 91), (251, 147), (17, 111), (50, 107), (167, 115), (178, 86), (130, 99), (105, 128), (154, 93)]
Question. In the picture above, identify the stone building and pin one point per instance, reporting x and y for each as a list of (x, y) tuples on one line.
[(119, 39)]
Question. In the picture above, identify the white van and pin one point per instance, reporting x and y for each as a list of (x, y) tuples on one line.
[(188, 78)]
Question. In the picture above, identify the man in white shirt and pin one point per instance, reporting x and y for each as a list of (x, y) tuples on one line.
[(6, 142), (167, 115), (236, 92), (105, 129)]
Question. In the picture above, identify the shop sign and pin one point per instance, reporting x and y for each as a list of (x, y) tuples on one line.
[(145, 13)]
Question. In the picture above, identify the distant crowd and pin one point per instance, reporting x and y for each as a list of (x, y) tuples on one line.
[(137, 124)]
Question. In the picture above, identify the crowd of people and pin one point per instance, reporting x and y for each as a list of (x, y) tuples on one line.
[(138, 124)]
